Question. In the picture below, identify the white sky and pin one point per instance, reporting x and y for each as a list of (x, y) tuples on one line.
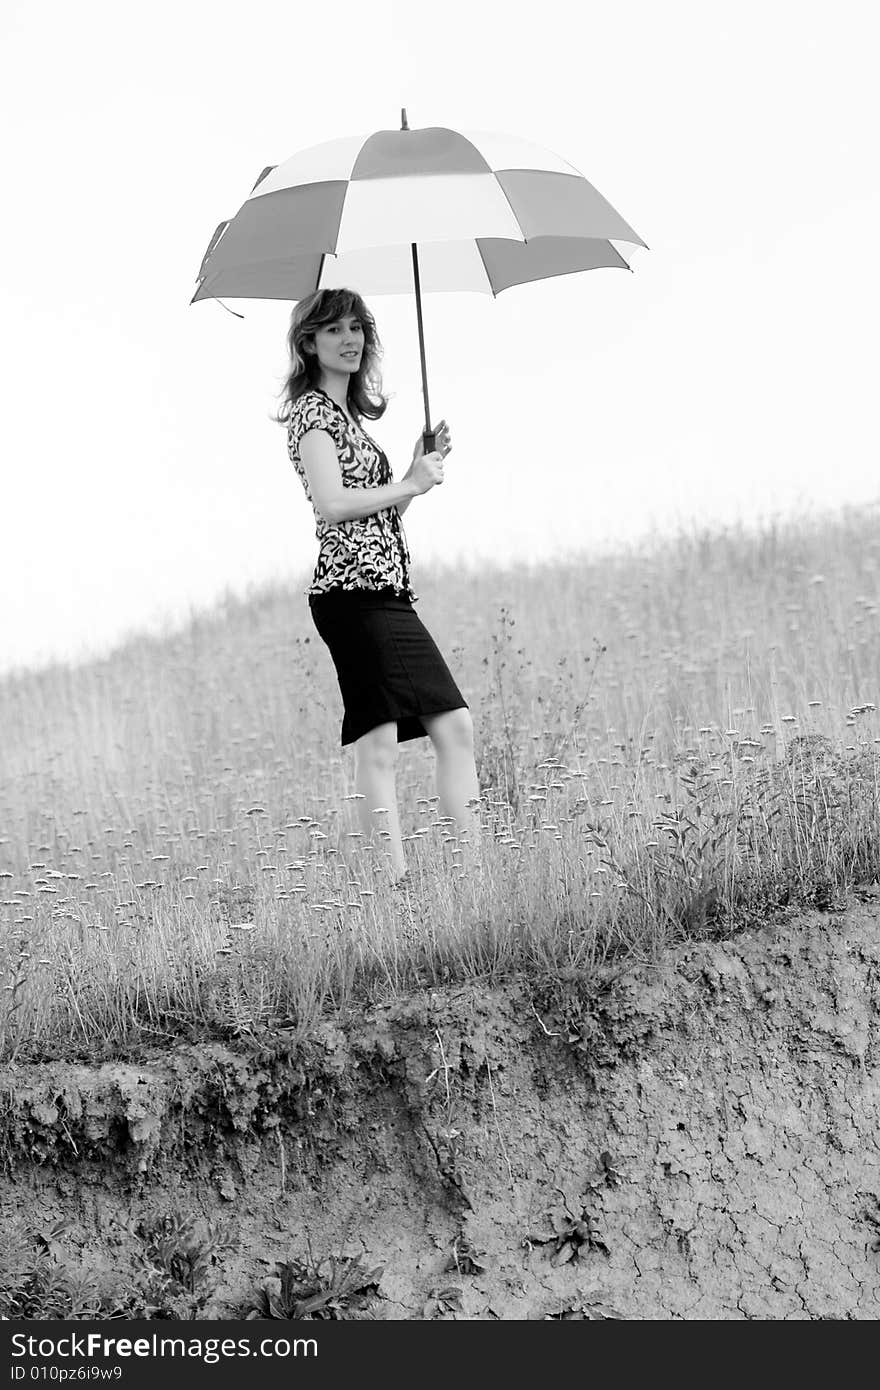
[(733, 374)]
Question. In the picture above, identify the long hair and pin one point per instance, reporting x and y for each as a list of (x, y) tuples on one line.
[(312, 312)]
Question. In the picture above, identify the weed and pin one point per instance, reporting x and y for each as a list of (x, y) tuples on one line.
[(177, 1259), (571, 1229), (465, 1258), (47, 1290), (38, 1283), (330, 1288), (443, 1302)]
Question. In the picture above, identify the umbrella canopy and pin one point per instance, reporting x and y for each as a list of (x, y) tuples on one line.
[(432, 210), (487, 211)]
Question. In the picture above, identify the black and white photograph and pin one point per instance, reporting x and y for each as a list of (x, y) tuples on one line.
[(439, 675)]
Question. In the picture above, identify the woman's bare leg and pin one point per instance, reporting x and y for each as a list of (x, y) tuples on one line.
[(452, 734), (376, 756)]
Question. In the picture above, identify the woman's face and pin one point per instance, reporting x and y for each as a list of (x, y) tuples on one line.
[(340, 345)]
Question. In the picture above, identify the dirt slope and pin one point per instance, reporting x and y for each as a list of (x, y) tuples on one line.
[(695, 1140)]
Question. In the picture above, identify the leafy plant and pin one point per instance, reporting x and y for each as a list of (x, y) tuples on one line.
[(39, 1285), (47, 1290), (465, 1258), (177, 1259), (324, 1289), (571, 1229), (442, 1302)]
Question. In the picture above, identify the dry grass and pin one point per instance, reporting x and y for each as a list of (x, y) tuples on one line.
[(669, 742)]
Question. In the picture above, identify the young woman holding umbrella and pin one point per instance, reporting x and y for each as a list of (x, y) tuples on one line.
[(394, 682)]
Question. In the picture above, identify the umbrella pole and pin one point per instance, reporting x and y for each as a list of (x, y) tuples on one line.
[(428, 438)]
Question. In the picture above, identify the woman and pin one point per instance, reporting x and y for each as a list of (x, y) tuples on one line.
[(395, 684)]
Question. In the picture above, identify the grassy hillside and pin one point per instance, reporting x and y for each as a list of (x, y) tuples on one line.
[(669, 742)]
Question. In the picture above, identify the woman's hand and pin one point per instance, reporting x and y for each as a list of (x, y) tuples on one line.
[(426, 471), (442, 440)]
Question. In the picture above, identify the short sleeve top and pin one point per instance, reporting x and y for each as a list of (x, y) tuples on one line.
[(367, 552)]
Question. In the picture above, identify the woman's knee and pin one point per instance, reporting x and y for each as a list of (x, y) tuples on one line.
[(454, 729), (378, 747)]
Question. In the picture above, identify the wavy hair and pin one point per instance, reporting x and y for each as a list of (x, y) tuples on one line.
[(312, 312)]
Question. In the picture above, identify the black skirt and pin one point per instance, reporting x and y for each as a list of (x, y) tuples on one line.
[(387, 663)]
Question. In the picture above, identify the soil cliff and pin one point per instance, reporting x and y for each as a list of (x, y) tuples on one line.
[(695, 1138)]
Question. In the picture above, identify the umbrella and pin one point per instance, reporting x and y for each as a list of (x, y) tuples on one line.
[(431, 209)]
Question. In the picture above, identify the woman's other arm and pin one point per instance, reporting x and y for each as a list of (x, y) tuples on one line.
[(338, 503)]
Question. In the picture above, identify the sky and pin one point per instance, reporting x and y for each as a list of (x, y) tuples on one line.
[(730, 377)]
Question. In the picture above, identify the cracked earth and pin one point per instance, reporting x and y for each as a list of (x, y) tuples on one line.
[(692, 1139)]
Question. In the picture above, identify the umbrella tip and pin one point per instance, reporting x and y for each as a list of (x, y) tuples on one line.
[(403, 121)]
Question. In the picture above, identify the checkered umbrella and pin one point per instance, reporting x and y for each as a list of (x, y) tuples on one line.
[(430, 210)]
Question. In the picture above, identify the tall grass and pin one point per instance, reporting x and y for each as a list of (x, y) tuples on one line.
[(669, 741)]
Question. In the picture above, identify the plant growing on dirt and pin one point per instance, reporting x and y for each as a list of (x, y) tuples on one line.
[(177, 1260), (45, 1290), (38, 1284), (443, 1303), (572, 1230), (330, 1288), (466, 1259)]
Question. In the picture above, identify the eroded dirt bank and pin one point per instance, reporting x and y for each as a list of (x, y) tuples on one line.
[(698, 1140)]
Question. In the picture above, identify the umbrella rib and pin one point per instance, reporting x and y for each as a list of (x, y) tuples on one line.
[(510, 205), (485, 267)]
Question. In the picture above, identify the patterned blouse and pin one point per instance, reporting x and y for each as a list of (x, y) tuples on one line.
[(366, 552)]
